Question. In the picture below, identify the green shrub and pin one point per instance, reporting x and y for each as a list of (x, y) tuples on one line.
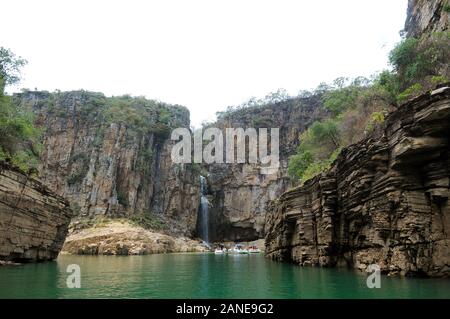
[(404, 53), (20, 140), (299, 163), (376, 118), (341, 99), (446, 7), (25, 160), (261, 122), (147, 220), (439, 79), (388, 82), (161, 130), (415, 59), (303, 167), (122, 198), (77, 177), (317, 146), (164, 116), (410, 92), (315, 169)]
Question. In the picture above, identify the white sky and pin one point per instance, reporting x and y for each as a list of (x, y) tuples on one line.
[(203, 54)]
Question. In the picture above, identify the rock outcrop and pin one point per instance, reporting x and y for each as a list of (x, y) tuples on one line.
[(426, 17), (111, 156), (239, 193), (119, 237), (385, 200), (33, 220)]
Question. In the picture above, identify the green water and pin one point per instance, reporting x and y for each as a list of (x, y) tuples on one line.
[(202, 276)]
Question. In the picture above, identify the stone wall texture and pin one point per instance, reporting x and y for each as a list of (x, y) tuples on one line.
[(239, 193), (425, 17), (33, 220), (111, 168), (385, 200)]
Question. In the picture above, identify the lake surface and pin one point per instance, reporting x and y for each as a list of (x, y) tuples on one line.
[(202, 276)]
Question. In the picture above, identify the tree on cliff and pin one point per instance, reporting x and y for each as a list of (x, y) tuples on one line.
[(358, 107), (19, 138), (10, 66)]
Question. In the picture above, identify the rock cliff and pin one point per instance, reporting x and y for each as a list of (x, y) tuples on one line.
[(118, 165), (111, 157), (385, 200), (425, 17), (33, 220), (239, 193)]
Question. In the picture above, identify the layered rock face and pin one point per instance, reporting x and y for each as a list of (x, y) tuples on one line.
[(33, 220), (385, 200), (239, 193), (111, 156), (425, 17)]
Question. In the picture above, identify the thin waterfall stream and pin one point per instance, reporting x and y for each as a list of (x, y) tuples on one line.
[(204, 212)]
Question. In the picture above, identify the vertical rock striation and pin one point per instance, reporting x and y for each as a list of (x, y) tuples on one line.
[(385, 200), (111, 156), (426, 17), (33, 220), (240, 192)]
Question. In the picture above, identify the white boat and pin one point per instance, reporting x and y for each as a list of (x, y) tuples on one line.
[(239, 249), (220, 250)]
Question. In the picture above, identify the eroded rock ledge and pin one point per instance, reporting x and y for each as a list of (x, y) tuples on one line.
[(385, 200), (119, 237), (33, 220)]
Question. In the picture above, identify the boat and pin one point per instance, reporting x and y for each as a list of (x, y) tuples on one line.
[(254, 250), (220, 250), (239, 249)]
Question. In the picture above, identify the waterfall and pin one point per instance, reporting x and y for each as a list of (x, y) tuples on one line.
[(204, 211)]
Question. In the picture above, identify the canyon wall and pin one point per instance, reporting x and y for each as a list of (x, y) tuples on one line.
[(33, 220), (239, 193), (384, 201), (111, 157), (119, 166), (114, 163)]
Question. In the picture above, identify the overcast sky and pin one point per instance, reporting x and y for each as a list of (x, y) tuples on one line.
[(203, 54)]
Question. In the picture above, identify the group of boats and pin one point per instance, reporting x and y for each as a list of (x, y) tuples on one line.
[(237, 249)]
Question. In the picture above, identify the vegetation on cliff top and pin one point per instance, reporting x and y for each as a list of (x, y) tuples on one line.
[(359, 106), (19, 138), (138, 114)]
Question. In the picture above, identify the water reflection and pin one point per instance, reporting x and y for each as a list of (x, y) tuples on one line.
[(202, 276)]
